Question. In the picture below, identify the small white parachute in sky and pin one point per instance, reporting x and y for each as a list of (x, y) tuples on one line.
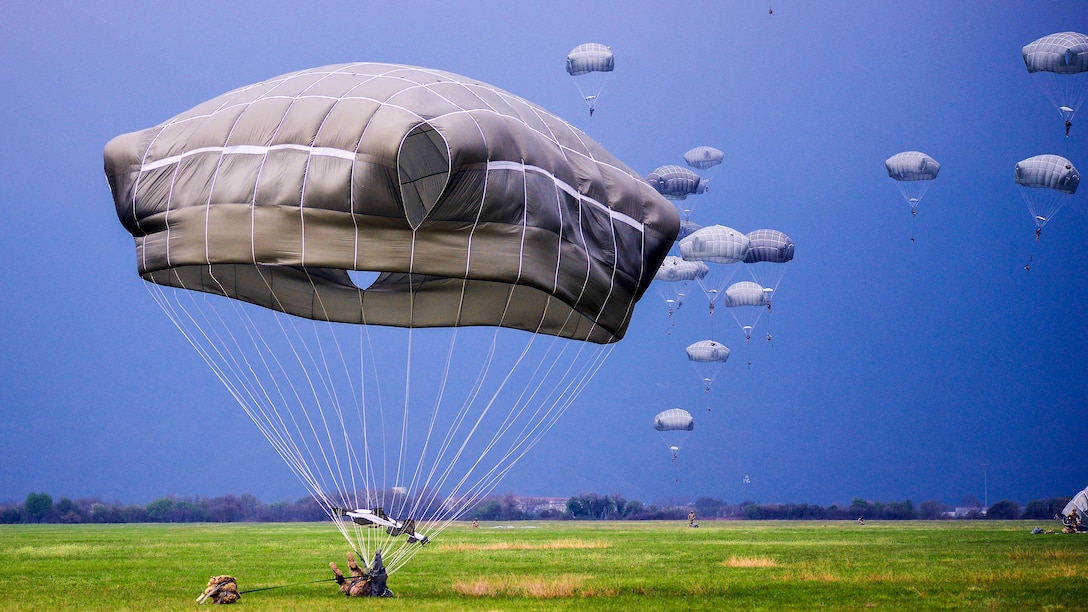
[(674, 425), (590, 64), (702, 158), (745, 301), (1060, 60), (1047, 183), (719, 246), (674, 277), (707, 357), (768, 250)]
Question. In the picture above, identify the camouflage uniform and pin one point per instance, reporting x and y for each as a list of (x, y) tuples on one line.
[(221, 590), (359, 585)]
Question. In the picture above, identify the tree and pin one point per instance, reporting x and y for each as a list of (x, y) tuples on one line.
[(1044, 509), (931, 509), (1004, 510), (37, 505)]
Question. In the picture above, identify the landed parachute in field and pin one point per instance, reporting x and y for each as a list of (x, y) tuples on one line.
[(768, 251), (707, 357), (674, 425), (1060, 61), (1080, 504), (358, 252), (746, 301), (674, 277), (720, 247), (590, 64)]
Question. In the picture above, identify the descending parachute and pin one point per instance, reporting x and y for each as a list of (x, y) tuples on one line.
[(745, 301), (674, 277), (590, 64), (1046, 183), (913, 172), (705, 158), (1060, 61), (707, 357), (674, 426), (505, 253), (768, 250), (719, 246), (677, 183)]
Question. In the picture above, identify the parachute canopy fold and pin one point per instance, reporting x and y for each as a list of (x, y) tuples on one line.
[(475, 206), (674, 419), (1048, 172), (590, 57), (912, 166), (1060, 53)]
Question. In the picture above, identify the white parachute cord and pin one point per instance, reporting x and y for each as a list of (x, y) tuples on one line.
[(248, 400)]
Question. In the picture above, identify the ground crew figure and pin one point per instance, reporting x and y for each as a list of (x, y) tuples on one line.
[(359, 585), (475, 523), (691, 518), (221, 590)]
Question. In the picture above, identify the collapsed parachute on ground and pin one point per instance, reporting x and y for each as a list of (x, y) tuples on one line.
[(477, 215), (590, 64), (1047, 183), (1078, 503), (1059, 62)]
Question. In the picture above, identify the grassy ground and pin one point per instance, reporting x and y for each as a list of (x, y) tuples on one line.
[(743, 565)]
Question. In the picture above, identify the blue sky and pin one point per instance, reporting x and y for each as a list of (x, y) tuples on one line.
[(898, 369)]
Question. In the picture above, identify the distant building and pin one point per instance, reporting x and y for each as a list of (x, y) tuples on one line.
[(967, 512)]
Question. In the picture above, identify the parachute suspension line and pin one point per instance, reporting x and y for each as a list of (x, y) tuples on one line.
[(245, 394)]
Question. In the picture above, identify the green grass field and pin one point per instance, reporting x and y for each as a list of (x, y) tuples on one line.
[(744, 565)]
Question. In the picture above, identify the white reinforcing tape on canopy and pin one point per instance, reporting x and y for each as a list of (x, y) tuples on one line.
[(350, 156)]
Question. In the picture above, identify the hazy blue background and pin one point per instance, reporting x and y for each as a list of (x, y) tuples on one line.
[(898, 369)]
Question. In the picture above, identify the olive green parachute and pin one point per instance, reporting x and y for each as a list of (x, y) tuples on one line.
[(476, 206)]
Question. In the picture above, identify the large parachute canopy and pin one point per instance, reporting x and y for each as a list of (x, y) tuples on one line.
[(720, 247), (590, 64), (768, 250), (1046, 183), (912, 172), (707, 357), (504, 249), (1060, 61)]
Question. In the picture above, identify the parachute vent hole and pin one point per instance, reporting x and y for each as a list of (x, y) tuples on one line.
[(363, 279), (423, 166)]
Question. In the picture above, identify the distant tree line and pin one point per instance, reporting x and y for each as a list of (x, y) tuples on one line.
[(40, 508)]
